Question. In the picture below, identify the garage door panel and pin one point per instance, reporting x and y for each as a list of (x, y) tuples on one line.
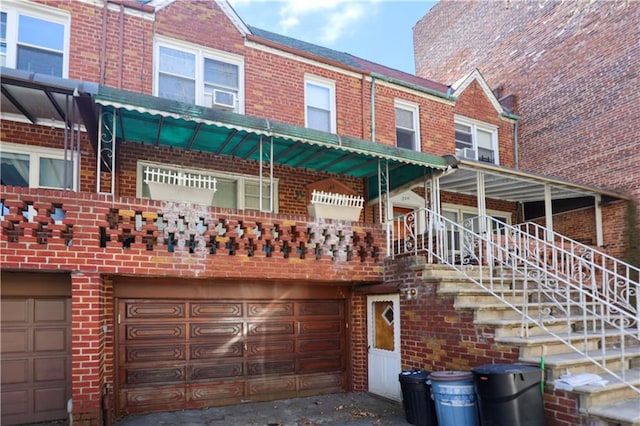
[(283, 385), (261, 367), (264, 328), (319, 364), (219, 370), (158, 375), (148, 331), (15, 311), (320, 345), (220, 329), (216, 394), (51, 339), (216, 310), (14, 340), (155, 310), (15, 371), (133, 354), (270, 309), (49, 399), (326, 383), (50, 369), (143, 398), (262, 348), (323, 327), (216, 350), (51, 310), (15, 402), (319, 308)]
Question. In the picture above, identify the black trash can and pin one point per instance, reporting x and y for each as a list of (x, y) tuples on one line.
[(419, 408), (509, 394)]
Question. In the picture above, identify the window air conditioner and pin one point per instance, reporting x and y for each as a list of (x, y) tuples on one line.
[(469, 153), (224, 99)]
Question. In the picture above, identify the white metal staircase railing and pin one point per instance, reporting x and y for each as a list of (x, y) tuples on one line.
[(595, 295)]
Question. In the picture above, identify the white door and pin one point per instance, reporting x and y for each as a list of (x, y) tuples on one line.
[(383, 328)]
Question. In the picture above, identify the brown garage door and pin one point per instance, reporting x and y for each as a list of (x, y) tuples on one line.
[(36, 347), (191, 353)]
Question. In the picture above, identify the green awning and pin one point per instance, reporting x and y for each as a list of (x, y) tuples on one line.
[(163, 122)]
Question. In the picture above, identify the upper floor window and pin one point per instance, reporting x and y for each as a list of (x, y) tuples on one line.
[(35, 40), (476, 141), (199, 76), (37, 167), (407, 126), (320, 104)]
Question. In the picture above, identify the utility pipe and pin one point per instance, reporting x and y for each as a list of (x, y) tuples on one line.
[(373, 109)]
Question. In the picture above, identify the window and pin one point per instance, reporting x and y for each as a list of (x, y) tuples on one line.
[(199, 76), (476, 141), (407, 127), (319, 100), (36, 167), (35, 39), (232, 191)]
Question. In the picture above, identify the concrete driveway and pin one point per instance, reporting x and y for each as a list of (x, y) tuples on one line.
[(335, 409)]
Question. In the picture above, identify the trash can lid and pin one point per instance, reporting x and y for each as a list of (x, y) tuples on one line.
[(505, 369), (413, 376), (450, 376)]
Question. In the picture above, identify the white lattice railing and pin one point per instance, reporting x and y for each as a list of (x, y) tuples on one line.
[(335, 199), (175, 177), (595, 295)]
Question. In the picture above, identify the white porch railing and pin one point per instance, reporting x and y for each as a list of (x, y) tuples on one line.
[(595, 295)]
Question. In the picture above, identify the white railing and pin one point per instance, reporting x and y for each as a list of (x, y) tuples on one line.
[(558, 282), (335, 199), (175, 177)]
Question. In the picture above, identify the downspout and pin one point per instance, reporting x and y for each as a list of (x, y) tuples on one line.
[(103, 48), (373, 109), (515, 145)]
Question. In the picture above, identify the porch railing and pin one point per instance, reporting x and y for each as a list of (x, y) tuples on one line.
[(559, 281)]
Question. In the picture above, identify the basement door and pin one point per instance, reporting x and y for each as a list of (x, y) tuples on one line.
[(383, 328)]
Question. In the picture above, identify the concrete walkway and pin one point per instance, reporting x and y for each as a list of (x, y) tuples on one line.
[(335, 409)]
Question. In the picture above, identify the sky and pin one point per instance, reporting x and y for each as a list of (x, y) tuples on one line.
[(377, 30)]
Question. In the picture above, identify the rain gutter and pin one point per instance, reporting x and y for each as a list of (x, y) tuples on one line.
[(412, 86)]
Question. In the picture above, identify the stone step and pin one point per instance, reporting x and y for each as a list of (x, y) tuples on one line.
[(576, 363), (498, 310), (532, 346), (614, 391), (620, 413), (513, 327)]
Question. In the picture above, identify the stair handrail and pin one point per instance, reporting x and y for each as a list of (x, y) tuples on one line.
[(548, 272)]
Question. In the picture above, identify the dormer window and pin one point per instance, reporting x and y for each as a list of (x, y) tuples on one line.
[(199, 76)]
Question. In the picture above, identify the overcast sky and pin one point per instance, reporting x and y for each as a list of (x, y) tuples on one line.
[(377, 30)]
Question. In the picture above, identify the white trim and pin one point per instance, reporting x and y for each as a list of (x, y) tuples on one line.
[(458, 208), (233, 17), (37, 152), (460, 86), (327, 84), (410, 200), (479, 125), (200, 53), (414, 108)]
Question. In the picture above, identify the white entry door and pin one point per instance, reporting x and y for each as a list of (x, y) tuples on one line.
[(383, 328)]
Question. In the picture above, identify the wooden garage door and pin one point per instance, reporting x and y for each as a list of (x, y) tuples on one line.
[(36, 349), (183, 354)]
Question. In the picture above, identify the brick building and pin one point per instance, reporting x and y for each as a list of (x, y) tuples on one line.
[(196, 212), (570, 71)]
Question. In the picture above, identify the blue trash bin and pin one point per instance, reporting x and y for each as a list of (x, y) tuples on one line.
[(455, 398)]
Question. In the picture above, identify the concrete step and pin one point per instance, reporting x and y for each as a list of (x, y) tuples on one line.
[(620, 413), (613, 392), (532, 346), (576, 363), (513, 327)]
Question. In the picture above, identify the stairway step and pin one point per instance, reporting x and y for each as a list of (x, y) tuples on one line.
[(615, 390), (623, 413), (532, 346), (576, 363)]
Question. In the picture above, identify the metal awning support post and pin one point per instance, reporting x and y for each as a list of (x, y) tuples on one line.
[(434, 200), (383, 188), (548, 212), (106, 147), (269, 153), (482, 203), (598, 211)]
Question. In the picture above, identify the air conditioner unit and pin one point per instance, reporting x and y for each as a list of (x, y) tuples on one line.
[(469, 153), (224, 99)]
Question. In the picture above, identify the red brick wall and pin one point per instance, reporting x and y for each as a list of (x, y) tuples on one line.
[(573, 67)]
